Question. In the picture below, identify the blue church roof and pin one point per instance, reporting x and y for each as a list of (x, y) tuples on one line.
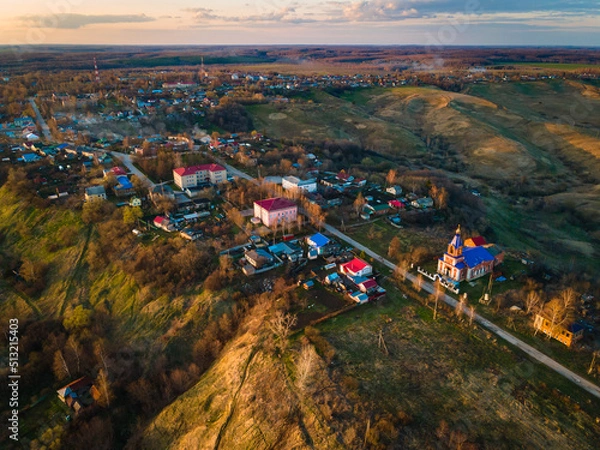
[(476, 255), (457, 241)]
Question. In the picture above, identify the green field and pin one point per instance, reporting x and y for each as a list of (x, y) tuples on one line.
[(530, 146)]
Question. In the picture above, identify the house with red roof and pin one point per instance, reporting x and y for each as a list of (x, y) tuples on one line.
[(79, 394), (194, 176), (273, 211), (475, 241), (356, 268), (163, 223), (396, 204)]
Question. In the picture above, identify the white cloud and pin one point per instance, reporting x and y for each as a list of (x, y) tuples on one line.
[(74, 21)]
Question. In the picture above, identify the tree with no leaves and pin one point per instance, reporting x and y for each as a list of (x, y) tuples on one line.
[(560, 310), (305, 364), (395, 248), (418, 282), (390, 178), (281, 325), (532, 302), (359, 203)]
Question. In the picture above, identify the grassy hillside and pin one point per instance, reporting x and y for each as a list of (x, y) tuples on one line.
[(434, 384), (99, 319), (531, 148)]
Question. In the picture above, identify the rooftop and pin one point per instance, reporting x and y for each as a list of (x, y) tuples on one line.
[(476, 255), (191, 170), (275, 204), (355, 265)]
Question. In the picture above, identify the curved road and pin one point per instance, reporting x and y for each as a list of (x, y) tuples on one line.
[(528, 349), (127, 162)]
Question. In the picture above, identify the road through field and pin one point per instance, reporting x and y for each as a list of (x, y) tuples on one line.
[(428, 287), (534, 353)]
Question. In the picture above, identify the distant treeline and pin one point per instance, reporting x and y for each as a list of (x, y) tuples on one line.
[(27, 58)]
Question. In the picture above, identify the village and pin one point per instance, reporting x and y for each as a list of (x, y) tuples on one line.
[(202, 201), (343, 226)]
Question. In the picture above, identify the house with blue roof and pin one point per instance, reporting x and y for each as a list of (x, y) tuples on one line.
[(123, 187), (29, 157), (461, 263), (318, 242)]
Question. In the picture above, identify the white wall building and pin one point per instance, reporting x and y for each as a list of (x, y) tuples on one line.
[(193, 176), (291, 183)]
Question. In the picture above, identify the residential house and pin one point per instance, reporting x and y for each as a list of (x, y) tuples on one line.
[(291, 183), (259, 258), (287, 250), (161, 191), (396, 204), (318, 242), (394, 190), (29, 158), (79, 394), (465, 263), (116, 171), (135, 202), (273, 211), (422, 203), (190, 234), (356, 268), (124, 187), (103, 159), (378, 208), (359, 297), (196, 176), (95, 193), (567, 334), (163, 223)]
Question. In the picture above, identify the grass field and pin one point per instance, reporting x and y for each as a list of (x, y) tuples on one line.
[(432, 372), (522, 141)]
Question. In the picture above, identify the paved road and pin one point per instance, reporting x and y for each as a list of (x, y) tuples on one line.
[(535, 354), (134, 170), (41, 121), (233, 171), (428, 287)]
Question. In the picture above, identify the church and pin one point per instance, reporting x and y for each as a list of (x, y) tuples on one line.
[(466, 261)]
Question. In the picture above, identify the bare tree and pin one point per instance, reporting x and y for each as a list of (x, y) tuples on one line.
[(439, 291), (76, 350), (281, 325), (419, 282), (560, 310), (305, 364), (395, 248), (390, 178), (532, 302), (61, 369), (104, 388), (400, 271), (359, 203)]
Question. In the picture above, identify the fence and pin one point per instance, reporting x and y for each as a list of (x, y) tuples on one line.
[(438, 277)]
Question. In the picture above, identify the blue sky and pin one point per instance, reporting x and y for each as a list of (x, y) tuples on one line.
[(430, 22)]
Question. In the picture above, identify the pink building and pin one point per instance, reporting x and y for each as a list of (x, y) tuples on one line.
[(193, 176), (273, 211)]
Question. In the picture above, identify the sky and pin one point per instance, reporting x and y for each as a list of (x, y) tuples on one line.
[(389, 22)]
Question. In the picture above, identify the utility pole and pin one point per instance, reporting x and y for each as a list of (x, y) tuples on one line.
[(96, 73)]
